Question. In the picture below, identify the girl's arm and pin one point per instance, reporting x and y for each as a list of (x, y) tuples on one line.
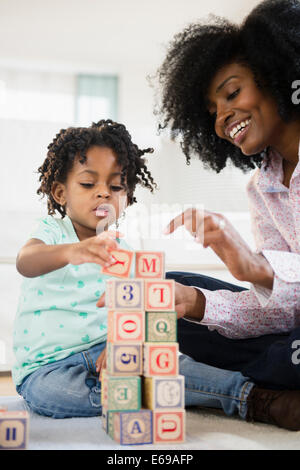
[(37, 258)]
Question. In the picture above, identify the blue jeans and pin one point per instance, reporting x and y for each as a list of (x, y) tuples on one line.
[(214, 388), (66, 388)]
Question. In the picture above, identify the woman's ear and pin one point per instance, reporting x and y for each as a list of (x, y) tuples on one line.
[(58, 192)]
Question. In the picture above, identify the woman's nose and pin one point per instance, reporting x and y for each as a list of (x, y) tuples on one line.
[(223, 115)]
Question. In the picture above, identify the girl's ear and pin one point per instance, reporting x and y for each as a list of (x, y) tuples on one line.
[(58, 192)]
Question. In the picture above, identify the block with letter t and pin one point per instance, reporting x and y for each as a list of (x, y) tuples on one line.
[(159, 295)]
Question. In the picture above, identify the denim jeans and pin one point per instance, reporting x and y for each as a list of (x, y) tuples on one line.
[(66, 388), (211, 387)]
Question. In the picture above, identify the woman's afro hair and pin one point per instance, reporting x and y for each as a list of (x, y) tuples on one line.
[(74, 142), (268, 42)]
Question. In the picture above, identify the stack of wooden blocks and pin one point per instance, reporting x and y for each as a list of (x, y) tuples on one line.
[(142, 393)]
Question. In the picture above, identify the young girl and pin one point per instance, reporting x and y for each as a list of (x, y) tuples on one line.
[(89, 176)]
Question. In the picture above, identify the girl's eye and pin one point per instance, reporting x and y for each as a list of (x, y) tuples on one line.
[(87, 185), (234, 94), (117, 188)]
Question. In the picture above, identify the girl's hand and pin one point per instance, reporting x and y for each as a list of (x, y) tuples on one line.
[(214, 230), (101, 362), (95, 249)]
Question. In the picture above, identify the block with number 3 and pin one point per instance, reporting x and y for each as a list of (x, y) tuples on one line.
[(124, 294)]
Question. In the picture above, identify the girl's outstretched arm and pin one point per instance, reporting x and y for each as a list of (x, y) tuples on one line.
[(37, 258)]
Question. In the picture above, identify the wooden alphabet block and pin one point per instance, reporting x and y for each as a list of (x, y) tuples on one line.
[(131, 428), (14, 427), (163, 392), (161, 327), (160, 359), (104, 416), (168, 426), (122, 264), (124, 294), (126, 326), (121, 393), (149, 264), (124, 359), (107, 422), (160, 295)]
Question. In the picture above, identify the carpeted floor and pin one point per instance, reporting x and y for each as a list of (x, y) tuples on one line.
[(205, 430)]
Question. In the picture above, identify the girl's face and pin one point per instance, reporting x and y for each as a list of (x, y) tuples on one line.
[(93, 194), (244, 115)]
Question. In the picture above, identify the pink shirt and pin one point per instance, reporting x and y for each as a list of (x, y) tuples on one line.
[(275, 213)]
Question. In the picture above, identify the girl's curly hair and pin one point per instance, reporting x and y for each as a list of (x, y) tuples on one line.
[(268, 42), (74, 142)]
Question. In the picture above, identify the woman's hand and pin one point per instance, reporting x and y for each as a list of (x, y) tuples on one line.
[(188, 301), (101, 362), (95, 249), (214, 230)]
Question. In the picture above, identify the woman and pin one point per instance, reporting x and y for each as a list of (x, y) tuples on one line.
[(227, 90)]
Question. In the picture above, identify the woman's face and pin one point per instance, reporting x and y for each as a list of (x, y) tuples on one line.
[(244, 114)]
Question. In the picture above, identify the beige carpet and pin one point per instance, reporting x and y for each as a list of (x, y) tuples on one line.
[(205, 430)]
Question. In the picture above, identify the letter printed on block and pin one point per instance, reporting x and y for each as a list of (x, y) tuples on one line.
[(14, 429), (123, 393), (126, 326), (125, 294), (149, 264), (163, 392), (133, 427), (124, 359), (160, 295), (168, 426), (160, 359), (121, 266), (161, 327)]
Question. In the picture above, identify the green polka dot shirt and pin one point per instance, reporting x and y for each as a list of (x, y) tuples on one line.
[(57, 314)]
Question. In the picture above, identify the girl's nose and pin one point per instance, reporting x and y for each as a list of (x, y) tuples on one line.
[(103, 192)]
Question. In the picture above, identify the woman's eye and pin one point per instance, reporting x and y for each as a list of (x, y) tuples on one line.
[(87, 185), (234, 94)]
